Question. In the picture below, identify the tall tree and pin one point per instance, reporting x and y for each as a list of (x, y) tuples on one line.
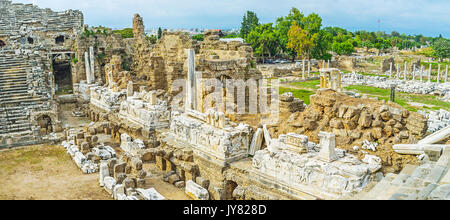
[(249, 22), (263, 40), (282, 26), (301, 41), (441, 48), (159, 33)]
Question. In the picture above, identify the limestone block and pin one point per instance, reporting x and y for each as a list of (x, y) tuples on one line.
[(136, 164), (150, 194), (202, 182), (129, 183), (104, 172), (327, 145), (119, 168), (195, 191), (110, 183), (433, 152), (119, 192), (256, 142)]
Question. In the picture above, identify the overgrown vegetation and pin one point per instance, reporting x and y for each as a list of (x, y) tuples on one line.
[(125, 33)]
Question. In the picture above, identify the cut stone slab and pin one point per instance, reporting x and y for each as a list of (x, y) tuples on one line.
[(195, 191), (256, 142), (150, 194)]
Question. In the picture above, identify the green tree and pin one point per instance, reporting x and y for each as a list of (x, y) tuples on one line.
[(125, 33), (441, 48), (198, 37), (282, 26), (324, 42), (263, 40), (249, 22), (301, 41), (159, 33)]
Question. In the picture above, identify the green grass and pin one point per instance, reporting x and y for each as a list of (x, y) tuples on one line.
[(299, 93), (308, 84), (403, 99)]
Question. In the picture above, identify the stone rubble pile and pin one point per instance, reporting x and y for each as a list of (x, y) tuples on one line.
[(408, 86), (437, 120), (125, 179), (86, 151)]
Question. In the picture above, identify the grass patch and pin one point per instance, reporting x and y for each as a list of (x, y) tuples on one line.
[(308, 84), (299, 93), (403, 99)]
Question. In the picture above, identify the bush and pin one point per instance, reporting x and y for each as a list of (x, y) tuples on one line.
[(125, 33)]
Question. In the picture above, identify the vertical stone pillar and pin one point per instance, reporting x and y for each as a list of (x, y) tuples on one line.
[(393, 93), (390, 70), (414, 72), (191, 83), (429, 74), (328, 63), (327, 145), (87, 66), (130, 91), (398, 71), (421, 73), (406, 70), (323, 64), (439, 73), (92, 62)]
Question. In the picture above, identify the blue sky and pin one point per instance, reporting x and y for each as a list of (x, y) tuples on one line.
[(428, 17)]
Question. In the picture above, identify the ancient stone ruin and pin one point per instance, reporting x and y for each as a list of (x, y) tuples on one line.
[(176, 104)]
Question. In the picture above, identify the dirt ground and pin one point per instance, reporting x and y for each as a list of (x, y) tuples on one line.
[(47, 173)]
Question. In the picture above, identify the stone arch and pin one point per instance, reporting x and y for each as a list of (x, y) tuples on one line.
[(30, 40), (48, 121), (2, 44), (230, 186), (60, 39)]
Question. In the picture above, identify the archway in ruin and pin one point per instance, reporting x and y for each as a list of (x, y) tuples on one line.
[(45, 122), (63, 74), (230, 186), (2, 44), (59, 40)]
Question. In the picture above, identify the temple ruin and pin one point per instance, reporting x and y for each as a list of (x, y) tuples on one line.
[(205, 115)]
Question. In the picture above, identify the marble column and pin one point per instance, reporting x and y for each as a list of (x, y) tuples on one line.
[(390, 70), (130, 90), (439, 73), (87, 67), (398, 71), (421, 73), (328, 64), (92, 62), (429, 74), (191, 83), (406, 70), (414, 72)]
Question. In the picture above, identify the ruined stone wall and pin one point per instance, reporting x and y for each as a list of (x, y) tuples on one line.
[(158, 66), (26, 25), (355, 121), (106, 45)]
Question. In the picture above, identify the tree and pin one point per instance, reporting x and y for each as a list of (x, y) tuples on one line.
[(159, 33), (441, 48), (249, 22), (301, 41), (282, 26), (125, 33), (324, 41), (198, 37), (263, 40)]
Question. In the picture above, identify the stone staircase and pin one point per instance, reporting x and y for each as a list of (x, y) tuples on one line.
[(428, 181), (15, 101)]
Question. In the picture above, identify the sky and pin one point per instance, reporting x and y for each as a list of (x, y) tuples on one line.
[(427, 17)]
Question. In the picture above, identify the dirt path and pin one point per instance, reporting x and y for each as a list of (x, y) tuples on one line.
[(45, 173)]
